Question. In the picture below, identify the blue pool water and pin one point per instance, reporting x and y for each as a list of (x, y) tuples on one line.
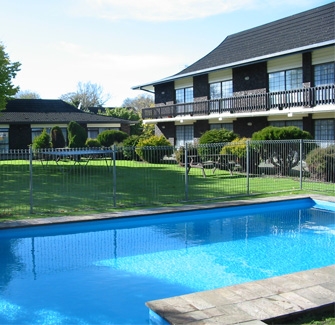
[(103, 272)]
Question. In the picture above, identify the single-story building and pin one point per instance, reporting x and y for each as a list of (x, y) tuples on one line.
[(24, 119), (281, 73)]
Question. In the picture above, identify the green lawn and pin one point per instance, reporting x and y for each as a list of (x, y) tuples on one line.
[(68, 189)]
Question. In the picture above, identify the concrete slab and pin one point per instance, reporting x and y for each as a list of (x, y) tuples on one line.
[(248, 303)]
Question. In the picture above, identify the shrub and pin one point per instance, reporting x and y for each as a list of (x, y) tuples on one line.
[(42, 141), (282, 156), (281, 133), (191, 151), (217, 136), (77, 135), (153, 149), (129, 146), (238, 148), (57, 137), (92, 143), (321, 164), (109, 137), (214, 137)]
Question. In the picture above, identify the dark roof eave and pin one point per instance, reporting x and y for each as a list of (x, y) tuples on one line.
[(235, 64)]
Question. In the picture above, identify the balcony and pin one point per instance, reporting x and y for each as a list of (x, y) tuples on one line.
[(306, 97)]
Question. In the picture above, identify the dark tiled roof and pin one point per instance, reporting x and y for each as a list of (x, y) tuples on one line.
[(50, 111), (298, 31)]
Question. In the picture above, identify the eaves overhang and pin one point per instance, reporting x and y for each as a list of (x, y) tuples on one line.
[(150, 86)]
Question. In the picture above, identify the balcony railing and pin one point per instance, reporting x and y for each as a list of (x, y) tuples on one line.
[(307, 97)]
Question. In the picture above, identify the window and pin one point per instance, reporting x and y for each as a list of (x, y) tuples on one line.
[(227, 126), (285, 80), (184, 134), (324, 129), (281, 82), (92, 133), (297, 123), (220, 90), (324, 74), (184, 95), (4, 142)]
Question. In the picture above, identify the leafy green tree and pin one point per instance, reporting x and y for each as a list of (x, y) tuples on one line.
[(57, 137), (281, 133), (8, 72), (92, 143), (77, 135), (109, 137), (42, 141), (129, 146), (282, 155), (153, 149), (127, 114), (214, 137), (217, 136)]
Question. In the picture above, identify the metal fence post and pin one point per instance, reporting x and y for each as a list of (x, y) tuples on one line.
[(31, 179), (114, 175), (248, 169), (186, 173), (301, 165)]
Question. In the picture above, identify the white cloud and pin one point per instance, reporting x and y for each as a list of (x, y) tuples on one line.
[(116, 73), (173, 10), (157, 10)]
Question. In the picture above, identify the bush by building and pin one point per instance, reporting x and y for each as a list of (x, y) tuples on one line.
[(109, 137), (42, 141), (321, 164), (57, 137), (154, 148), (77, 135)]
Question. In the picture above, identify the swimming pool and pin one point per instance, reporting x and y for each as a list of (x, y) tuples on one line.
[(103, 272)]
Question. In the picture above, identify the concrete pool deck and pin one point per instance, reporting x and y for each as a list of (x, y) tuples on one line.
[(251, 303), (248, 303)]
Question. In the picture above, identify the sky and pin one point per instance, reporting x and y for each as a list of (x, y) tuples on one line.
[(118, 44)]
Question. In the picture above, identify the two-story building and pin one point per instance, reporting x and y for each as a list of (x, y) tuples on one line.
[(280, 73)]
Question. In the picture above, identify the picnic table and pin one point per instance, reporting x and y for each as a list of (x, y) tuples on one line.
[(222, 162)]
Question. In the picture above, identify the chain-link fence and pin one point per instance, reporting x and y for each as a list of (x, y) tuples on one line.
[(68, 181)]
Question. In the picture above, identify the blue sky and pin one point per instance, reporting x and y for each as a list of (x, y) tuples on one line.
[(118, 44)]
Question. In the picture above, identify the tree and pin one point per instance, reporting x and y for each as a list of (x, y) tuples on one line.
[(8, 72), (42, 141), (57, 137), (77, 135), (127, 114), (27, 94), (87, 95), (109, 137), (282, 155), (139, 102), (214, 136), (153, 149)]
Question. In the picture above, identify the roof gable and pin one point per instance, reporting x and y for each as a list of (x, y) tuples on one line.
[(39, 106), (305, 29), (51, 111)]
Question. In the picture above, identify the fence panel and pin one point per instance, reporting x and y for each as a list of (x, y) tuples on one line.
[(14, 183), (156, 180), (68, 181)]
